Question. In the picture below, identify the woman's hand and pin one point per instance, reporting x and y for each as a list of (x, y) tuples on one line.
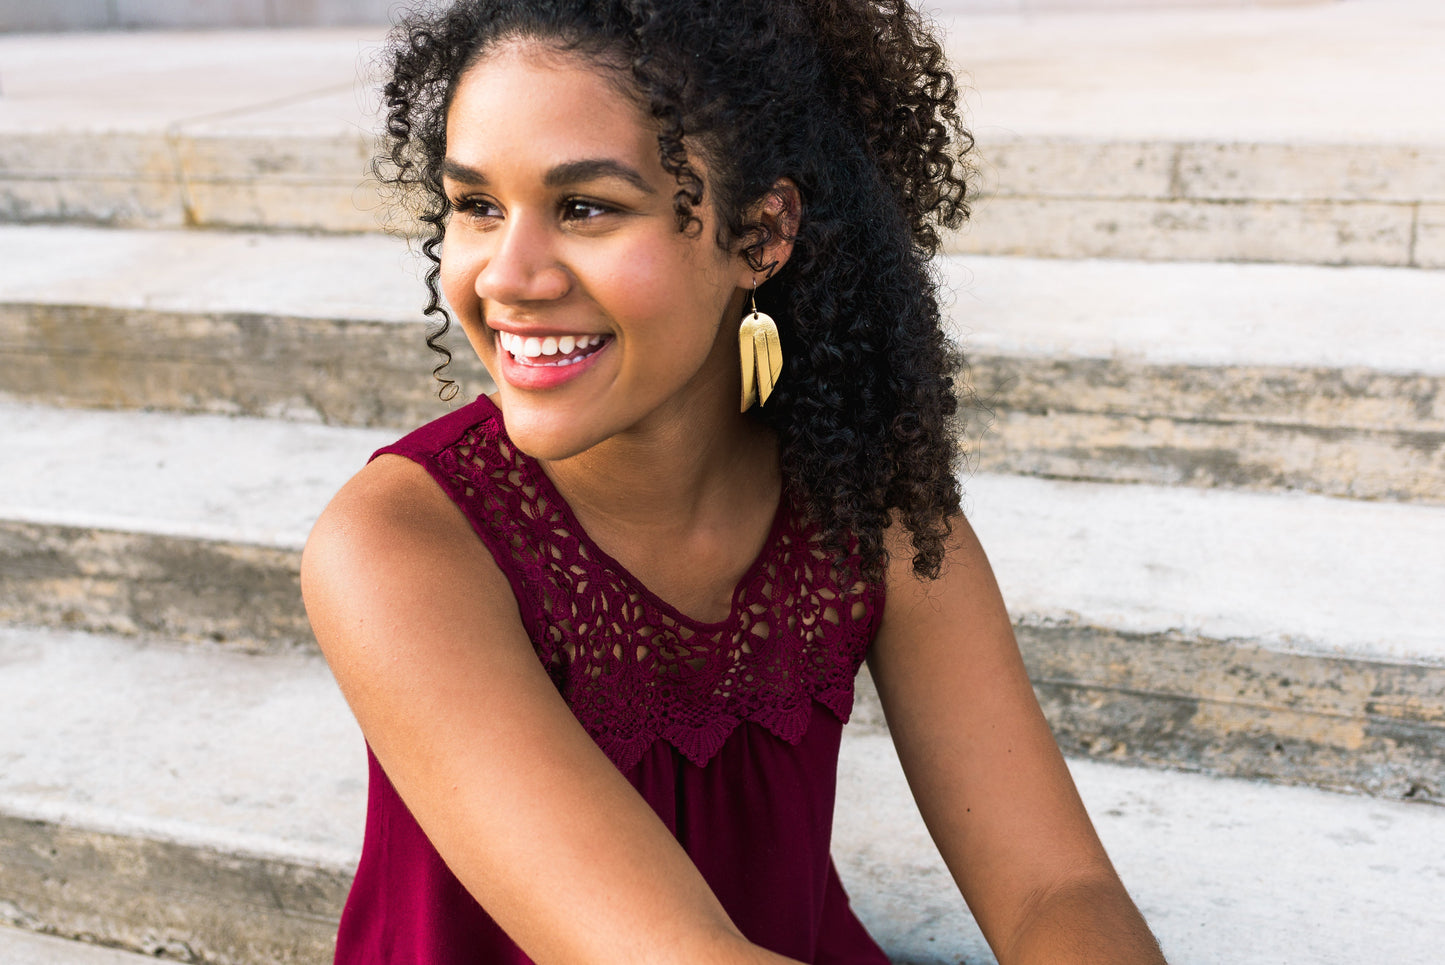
[(423, 634), (986, 773)]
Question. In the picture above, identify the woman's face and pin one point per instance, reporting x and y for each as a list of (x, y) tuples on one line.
[(564, 264)]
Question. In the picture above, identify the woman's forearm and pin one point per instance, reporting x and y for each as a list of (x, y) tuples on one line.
[(1090, 922)]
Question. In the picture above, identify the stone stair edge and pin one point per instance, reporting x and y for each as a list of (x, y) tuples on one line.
[(165, 479), (42, 948), (1250, 377), (1005, 163), (1161, 685), (1155, 203), (138, 883), (1202, 313)]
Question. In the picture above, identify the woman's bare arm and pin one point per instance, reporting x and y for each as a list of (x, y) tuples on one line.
[(987, 775), (423, 635)]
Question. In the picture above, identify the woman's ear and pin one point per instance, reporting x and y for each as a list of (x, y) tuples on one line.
[(778, 215)]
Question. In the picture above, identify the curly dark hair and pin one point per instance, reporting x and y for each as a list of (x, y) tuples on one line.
[(854, 102)]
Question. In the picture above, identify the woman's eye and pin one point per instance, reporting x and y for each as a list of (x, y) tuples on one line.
[(577, 209), (474, 206)]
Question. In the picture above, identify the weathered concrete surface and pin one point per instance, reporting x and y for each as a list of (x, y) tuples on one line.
[(1282, 316), (1430, 236), (1232, 710), (247, 481), (147, 108), (193, 803), (1316, 233), (1225, 871), (1248, 455), (207, 805), (1238, 711), (339, 371), (1288, 571), (151, 14), (1322, 74), (180, 527), (143, 583), (30, 948), (1119, 134), (354, 277), (1159, 623), (168, 900), (1198, 374)]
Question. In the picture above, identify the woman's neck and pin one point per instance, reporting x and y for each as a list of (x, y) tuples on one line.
[(685, 505)]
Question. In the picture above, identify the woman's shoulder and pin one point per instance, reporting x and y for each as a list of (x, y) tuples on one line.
[(400, 518)]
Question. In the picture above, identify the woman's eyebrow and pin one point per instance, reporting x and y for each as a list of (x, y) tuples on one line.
[(459, 172), (592, 169)]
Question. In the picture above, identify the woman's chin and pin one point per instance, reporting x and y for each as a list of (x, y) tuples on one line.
[(543, 431)]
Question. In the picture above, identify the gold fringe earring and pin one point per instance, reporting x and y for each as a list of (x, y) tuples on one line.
[(762, 355)]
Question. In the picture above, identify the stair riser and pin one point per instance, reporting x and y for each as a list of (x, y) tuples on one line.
[(340, 372), (1356, 464), (165, 899), (1204, 171), (144, 584), (1315, 397), (1238, 711), (1354, 433), (1220, 707), (1313, 233), (1315, 204), (1232, 710)]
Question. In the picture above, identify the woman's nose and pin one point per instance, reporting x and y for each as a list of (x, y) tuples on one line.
[(522, 266)]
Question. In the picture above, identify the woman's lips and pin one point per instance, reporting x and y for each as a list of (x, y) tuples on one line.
[(547, 361)]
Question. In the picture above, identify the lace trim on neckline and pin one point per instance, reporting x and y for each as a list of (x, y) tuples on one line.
[(633, 668)]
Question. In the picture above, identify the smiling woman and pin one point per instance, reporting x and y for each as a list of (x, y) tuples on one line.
[(600, 630)]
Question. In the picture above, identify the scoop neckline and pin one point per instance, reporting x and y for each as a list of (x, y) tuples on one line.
[(548, 488)]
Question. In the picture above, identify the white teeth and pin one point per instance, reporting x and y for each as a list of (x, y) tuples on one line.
[(531, 347)]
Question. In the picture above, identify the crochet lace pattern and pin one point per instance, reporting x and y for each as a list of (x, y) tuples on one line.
[(632, 668)]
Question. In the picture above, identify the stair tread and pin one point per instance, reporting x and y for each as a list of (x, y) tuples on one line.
[(28, 948), (242, 753), (1200, 313), (258, 756), (1223, 870), (1142, 68), (365, 277), (1290, 571), (247, 480), (1332, 71), (1164, 313), (1285, 570)]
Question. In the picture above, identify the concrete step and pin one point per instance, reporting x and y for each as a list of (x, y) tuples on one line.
[(207, 805), (178, 526), (1280, 635), (152, 14), (303, 327), (1159, 155), (1209, 134), (1241, 376), (187, 803), (31, 948)]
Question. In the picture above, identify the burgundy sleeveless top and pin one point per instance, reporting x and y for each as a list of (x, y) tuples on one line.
[(729, 730)]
